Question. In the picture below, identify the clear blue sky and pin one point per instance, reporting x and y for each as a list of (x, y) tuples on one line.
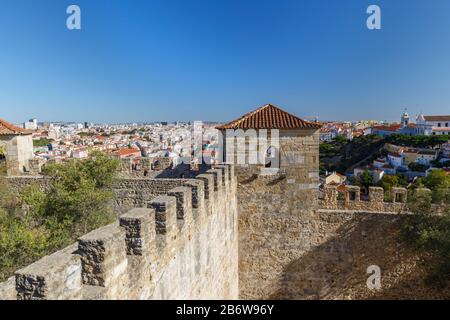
[(216, 59)]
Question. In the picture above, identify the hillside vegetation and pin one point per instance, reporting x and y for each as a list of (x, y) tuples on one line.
[(342, 156), (36, 223)]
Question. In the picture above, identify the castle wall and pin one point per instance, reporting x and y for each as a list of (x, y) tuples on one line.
[(276, 213), (286, 253), (181, 245), (19, 150), (332, 263), (292, 245), (185, 240)]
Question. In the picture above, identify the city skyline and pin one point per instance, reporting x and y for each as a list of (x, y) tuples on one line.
[(177, 61)]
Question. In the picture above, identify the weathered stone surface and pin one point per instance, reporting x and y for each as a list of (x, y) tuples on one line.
[(103, 256), (8, 289), (165, 214), (57, 276), (140, 230)]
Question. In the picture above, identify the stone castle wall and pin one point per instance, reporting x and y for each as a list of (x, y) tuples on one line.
[(288, 252), (266, 228), (331, 252), (181, 245), (128, 192), (19, 151), (294, 245), (276, 207)]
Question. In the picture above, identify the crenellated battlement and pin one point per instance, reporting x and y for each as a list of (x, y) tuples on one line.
[(165, 250), (352, 199)]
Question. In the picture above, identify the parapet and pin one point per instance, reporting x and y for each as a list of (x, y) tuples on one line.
[(353, 199), (128, 258)]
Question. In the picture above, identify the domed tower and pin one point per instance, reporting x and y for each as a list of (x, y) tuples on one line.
[(405, 119)]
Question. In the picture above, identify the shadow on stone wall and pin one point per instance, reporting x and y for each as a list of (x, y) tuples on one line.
[(336, 269)]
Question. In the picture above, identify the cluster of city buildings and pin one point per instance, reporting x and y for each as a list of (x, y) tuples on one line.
[(427, 125), (424, 125), (57, 142), (404, 160), (411, 162)]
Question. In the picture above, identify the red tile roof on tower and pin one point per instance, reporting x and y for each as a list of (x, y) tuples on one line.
[(7, 128), (269, 117)]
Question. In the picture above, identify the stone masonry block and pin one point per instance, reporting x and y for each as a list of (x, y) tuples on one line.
[(103, 255), (376, 194), (57, 276), (165, 214), (330, 195), (225, 173), (208, 180), (184, 202), (217, 173), (198, 192), (140, 230)]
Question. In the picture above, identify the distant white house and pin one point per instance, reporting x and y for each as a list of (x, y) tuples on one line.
[(31, 124), (335, 178), (433, 125), (395, 159), (425, 157)]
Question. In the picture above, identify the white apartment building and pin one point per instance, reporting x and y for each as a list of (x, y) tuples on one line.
[(433, 125)]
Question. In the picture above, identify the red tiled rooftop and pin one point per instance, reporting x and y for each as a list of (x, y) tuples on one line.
[(126, 152), (269, 117), (7, 128), (437, 118), (393, 127)]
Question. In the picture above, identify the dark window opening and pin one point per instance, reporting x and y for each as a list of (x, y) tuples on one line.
[(271, 156), (399, 197)]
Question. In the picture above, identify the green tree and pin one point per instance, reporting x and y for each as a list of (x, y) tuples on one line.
[(436, 179), (429, 234), (37, 222), (21, 240), (388, 182), (43, 142), (340, 139), (366, 179), (417, 167), (439, 183), (80, 192)]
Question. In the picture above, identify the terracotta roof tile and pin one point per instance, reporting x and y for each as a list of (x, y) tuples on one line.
[(7, 128), (269, 117), (126, 152), (437, 118), (392, 127)]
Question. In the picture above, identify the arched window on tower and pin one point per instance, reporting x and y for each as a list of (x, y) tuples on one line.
[(271, 160)]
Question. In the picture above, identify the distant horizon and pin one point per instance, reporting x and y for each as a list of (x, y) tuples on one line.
[(177, 60), (412, 120)]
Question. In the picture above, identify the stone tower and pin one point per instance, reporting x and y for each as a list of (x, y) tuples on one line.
[(405, 119), (277, 195), (16, 146)]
